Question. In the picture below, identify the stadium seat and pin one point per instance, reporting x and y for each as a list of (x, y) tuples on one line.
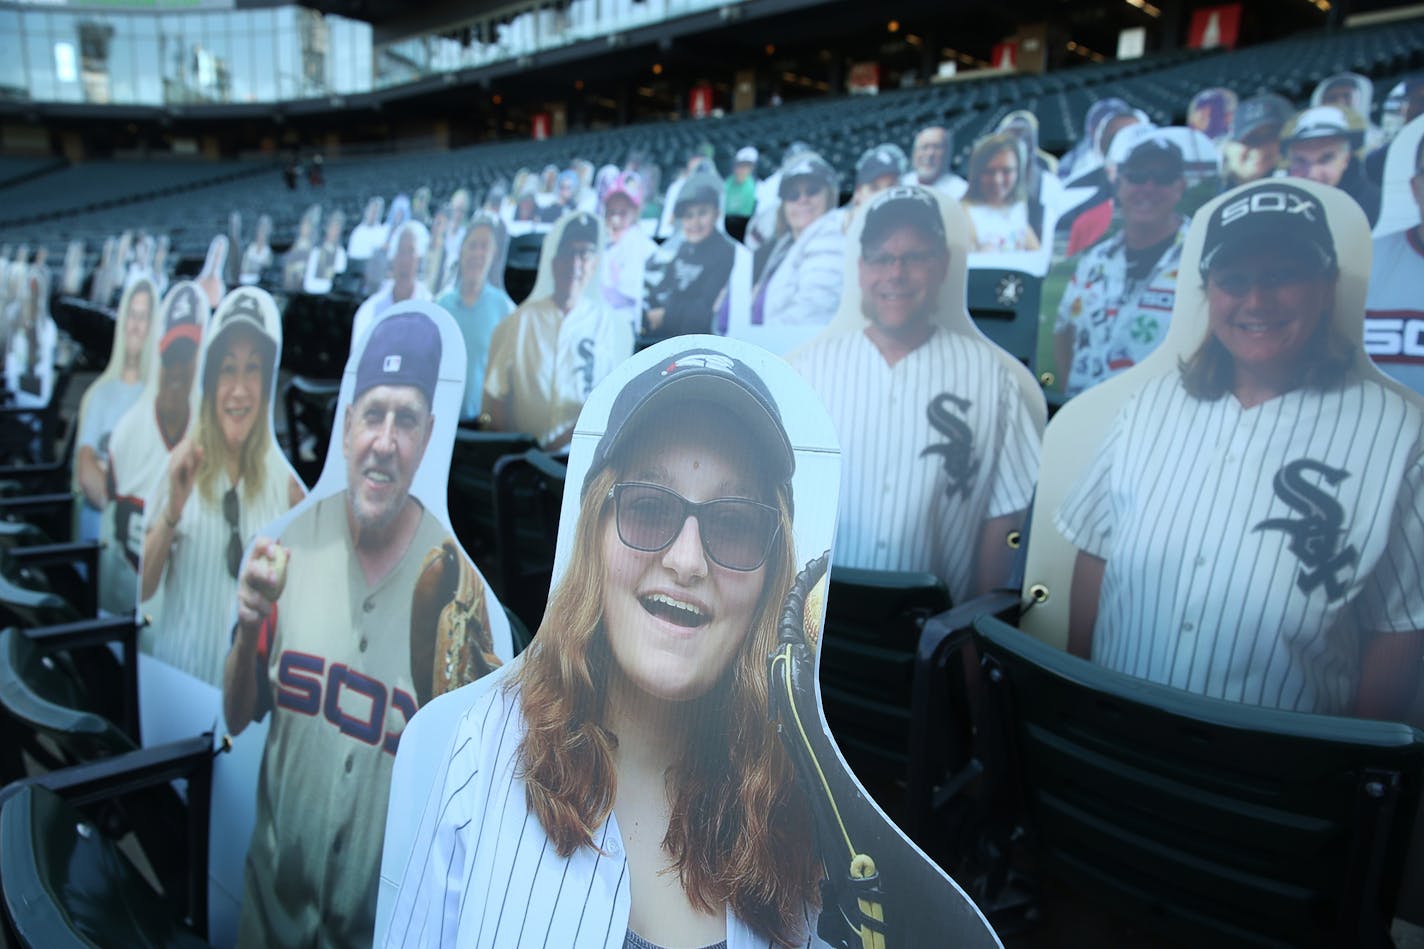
[(528, 494), (471, 490), (1004, 305), (1214, 822), (310, 407), (873, 624), (66, 883)]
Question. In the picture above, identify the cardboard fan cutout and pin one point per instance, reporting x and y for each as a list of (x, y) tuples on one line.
[(143, 438), (477, 299), (1240, 515), (797, 272), (1394, 306), (32, 344), (109, 396), (546, 356), (1107, 301), (223, 482), (624, 775), (699, 279), (353, 610), (625, 256), (939, 427), (325, 261)]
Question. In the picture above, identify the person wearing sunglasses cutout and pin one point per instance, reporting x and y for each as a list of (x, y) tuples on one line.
[(630, 786), (225, 481), (797, 275), (1119, 302)]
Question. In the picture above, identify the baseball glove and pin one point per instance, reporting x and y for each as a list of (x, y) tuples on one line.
[(450, 639)]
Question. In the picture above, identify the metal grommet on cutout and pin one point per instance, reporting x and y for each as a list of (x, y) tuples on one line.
[(1039, 593), (1047, 378), (1014, 539)]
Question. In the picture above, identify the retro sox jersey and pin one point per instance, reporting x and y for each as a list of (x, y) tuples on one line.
[(1251, 552), (544, 362), (1116, 322), (138, 463), (1394, 307), (334, 671), (482, 871), (931, 448)]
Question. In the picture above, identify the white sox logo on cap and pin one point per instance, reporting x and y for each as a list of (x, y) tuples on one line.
[(1276, 202), (391, 364)]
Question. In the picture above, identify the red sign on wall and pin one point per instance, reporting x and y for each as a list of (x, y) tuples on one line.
[(699, 101), (1214, 27), (539, 126), (1006, 56), (864, 78)]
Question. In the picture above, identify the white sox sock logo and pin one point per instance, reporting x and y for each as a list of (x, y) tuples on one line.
[(957, 452), (1316, 535)]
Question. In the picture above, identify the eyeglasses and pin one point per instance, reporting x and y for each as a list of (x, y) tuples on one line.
[(231, 514), (1238, 283), (737, 533), (584, 253), (916, 260), (1138, 177)]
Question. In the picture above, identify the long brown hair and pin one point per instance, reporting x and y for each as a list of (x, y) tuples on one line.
[(739, 832)]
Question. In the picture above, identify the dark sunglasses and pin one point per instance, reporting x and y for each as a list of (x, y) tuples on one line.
[(1238, 283), (797, 192), (737, 533), (1137, 177), (231, 513)]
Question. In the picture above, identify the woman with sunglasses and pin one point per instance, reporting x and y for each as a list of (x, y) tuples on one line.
[(797, 275), (997, 200), (635, 731), (226, 480)]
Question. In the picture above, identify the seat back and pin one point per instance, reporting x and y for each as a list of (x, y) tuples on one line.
[(873, 623), (67, 885), (528, 495), (472, 489), (1226, 824), (1004, 305), (310, 405)]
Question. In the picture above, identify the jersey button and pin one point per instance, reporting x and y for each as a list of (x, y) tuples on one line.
[(1187, 627), (369, 604), (362, 644), (350, 763), (336, 844)]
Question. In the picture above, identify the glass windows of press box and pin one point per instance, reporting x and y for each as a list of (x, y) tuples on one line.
[(208, 57)]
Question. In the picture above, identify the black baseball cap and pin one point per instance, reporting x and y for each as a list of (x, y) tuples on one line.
[(1154, 150), (704, 375), (580, 227), (1265, 214), (807, 165), (901, 206), (402, 350), (182, 326)]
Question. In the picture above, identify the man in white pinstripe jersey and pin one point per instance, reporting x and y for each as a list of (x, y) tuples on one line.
[(940, 452)]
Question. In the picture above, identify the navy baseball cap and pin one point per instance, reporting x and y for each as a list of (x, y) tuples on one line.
[(704, 375), (807, 165), (878, 162), (1257, 112), (1269, 214), (902, 206), (402, 350)]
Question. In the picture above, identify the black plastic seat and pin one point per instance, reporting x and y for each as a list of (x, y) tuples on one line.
[(529, 492)]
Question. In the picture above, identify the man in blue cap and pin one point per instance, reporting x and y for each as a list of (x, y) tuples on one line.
[(324, 643)]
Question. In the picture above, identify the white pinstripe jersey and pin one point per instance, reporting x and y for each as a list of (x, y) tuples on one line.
[(1250, 552), (1394, 307), (931, 448), (192, 628), (138, 461), (483, 873)]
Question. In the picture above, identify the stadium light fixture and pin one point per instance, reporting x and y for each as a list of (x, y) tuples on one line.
[(893, 26)]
